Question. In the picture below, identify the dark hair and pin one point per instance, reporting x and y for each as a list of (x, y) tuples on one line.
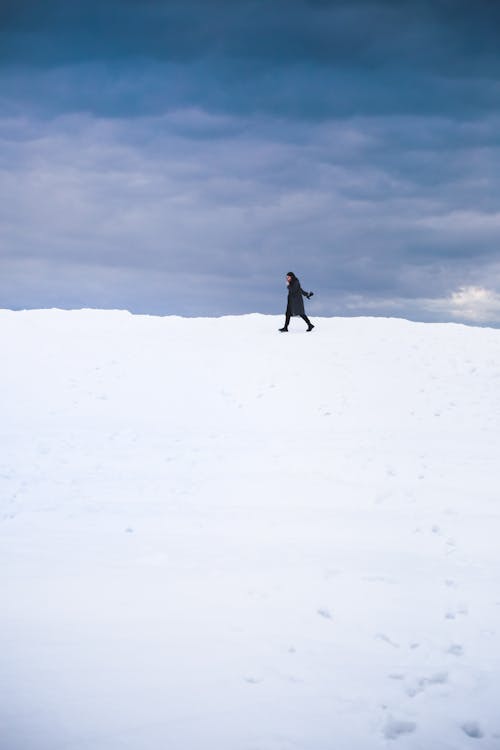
[(291, 273)]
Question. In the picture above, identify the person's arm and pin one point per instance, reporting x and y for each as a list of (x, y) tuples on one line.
[(306, 294)]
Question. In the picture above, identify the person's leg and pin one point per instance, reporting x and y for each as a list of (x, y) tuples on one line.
[(287, 321), (309, 324)]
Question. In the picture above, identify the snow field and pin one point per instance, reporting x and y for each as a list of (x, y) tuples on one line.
[(214, 535)]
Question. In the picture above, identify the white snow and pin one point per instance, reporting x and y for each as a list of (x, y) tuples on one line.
[(213, 535)]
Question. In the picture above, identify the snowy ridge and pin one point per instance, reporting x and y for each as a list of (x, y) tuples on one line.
[(217, 536)]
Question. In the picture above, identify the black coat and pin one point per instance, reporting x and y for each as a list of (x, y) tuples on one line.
[(295, 304)]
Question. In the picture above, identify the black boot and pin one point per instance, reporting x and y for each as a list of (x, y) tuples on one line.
[(307, 322), (287, 321)]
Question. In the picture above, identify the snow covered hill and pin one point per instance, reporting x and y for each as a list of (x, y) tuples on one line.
[(216, 536)]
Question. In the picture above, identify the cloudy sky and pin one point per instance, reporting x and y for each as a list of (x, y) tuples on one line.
[(179, 156)]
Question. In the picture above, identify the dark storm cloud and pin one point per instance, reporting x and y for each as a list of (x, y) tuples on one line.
[(151, 196), (290, 57), (436, 33)]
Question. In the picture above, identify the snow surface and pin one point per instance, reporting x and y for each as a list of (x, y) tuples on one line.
[(217, 536)]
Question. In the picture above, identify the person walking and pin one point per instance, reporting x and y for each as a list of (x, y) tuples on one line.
[(295, 303)]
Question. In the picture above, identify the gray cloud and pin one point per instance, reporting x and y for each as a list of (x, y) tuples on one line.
[(179, 157), (142, 196)]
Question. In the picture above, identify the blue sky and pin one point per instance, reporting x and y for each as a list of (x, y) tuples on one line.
[(179, 157)]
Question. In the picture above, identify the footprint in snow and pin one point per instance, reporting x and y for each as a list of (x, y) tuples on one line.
[(451, 614), (455, 649), (472, 729), (394, 729), (385, 638), (325, 613), (440, 678)]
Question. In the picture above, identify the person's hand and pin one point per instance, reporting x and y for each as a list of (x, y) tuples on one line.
[(310, 294)]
